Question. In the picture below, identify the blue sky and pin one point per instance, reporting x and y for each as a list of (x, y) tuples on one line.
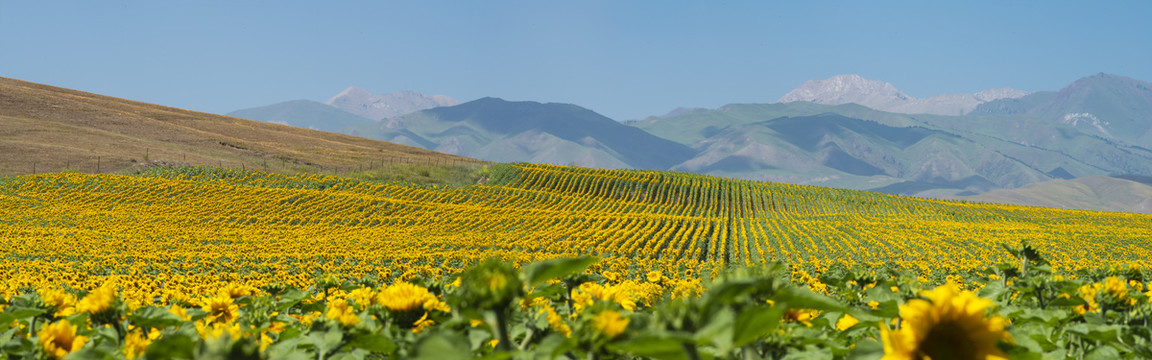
[(624, 59)]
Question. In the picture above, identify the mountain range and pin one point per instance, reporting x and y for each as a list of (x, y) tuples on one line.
[(879, 95), (506, 131), (378, 107), (846, 131), (353, 106)]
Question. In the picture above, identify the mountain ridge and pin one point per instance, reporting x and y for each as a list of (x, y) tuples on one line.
[(880, 95), (306, 114), (500, 130), (382, 106)]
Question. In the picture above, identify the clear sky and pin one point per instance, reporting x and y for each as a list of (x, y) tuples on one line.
[(624, 59)]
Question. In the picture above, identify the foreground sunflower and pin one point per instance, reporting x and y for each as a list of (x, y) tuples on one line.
[(610, 323), (950, 324), (221, 308), (59, 339), (403, 296)]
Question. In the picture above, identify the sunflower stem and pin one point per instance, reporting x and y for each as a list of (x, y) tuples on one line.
[(527, 337), (505, 343), (690, 351)]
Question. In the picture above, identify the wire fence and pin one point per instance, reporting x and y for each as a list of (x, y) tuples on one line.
[(112, 164)]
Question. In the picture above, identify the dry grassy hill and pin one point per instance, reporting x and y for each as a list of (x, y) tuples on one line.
[(46, 129)]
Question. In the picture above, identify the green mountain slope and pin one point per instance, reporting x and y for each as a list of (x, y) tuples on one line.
[(1006, 144), (303, 113), (1109, 106), (499, 130), (696, 125), (835, 150)]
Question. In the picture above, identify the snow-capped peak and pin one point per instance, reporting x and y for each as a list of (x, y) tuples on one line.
[(879, 95)]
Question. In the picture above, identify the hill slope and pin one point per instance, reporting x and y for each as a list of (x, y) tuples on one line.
[(1102, 193), (498, 130), (46, 128), (303, 113)]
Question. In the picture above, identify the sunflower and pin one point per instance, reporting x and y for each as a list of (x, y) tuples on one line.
[(403, 296), (339, 310), (59, 300), (137, 342), (950, 324), (610, 323), (408, 303), (221, 308), (655, 276), (212, 331), (846, 322), (98, 300), (59, 339)]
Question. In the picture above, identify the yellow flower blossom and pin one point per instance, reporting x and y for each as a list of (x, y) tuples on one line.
[(59, 339), (362, 297), (800, 315), (179, 311), (610, 323), (845, 322), (265, 341), (238, 290), (403, 296), (63, 302), (136, 342), (98, 300), (1116, 287), (655, 276), (221, 308), (950, 324), (217, 330), (422, 324), (339, 310)]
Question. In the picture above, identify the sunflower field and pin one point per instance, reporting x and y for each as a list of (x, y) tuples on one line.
[(547, 261)]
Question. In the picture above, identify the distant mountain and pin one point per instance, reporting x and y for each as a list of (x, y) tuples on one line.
[(834, 150), (853, 146), (1110, 106), (879, 95), (377, 107), (303, 113), (1101, 193), (498, 130)]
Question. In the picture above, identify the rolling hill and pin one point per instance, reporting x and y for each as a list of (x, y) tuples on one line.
[(1102, 193), (45, 128)]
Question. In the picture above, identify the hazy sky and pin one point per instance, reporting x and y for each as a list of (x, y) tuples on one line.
[(624, 59)]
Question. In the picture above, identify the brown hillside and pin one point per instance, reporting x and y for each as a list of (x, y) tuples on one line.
[(45, 128)]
